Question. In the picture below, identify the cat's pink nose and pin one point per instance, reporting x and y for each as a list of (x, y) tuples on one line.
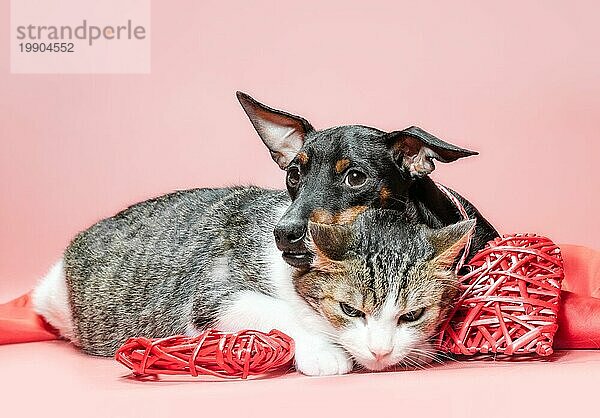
[(381, 353)]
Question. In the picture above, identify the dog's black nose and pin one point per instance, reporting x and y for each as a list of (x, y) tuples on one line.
[(289, 235)]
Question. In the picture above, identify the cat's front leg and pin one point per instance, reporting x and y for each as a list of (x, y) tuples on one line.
[(318, 357), (315, 354)]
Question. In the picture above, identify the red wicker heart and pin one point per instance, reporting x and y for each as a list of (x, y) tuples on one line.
[(509, 299), (220, 354)]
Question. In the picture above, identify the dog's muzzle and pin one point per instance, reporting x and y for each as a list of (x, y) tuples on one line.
[(289, 237)]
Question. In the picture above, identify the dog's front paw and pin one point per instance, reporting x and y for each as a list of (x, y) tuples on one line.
[(322, 360)]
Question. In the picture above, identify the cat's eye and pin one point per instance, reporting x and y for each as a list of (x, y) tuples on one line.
[(412, 316), (350, 311), (355, 178), (293, 177)]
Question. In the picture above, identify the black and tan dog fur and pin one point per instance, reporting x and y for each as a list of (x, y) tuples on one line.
[(337, 172)]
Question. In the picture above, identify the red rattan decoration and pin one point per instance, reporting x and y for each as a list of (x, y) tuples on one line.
[(509, 299), (216, 353)]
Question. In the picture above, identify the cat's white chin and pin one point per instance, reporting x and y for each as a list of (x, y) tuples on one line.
[(377, 366), (413, 360)]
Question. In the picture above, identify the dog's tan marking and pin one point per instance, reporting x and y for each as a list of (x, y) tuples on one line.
[(344, 217), (303, 158), (341, 165), (348, 216), (384, 195), (322, 216)]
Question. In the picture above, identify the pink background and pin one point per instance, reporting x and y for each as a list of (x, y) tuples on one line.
[(51, 380), (518, 82)]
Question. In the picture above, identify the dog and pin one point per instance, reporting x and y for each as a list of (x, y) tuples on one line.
[(334, 174)]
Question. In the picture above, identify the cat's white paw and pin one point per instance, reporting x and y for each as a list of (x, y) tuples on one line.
[(322, 361)]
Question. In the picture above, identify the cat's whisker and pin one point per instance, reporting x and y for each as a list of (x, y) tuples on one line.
[(429, 356), (439, 355), (421, 360), (415, 363)]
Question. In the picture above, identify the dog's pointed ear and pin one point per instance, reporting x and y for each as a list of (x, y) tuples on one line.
[(414, 149), (448, 242), (283, 133), (330, 242)]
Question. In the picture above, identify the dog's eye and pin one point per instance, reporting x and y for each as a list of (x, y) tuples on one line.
[(293, 177), (412, 316), (350, 311), (355, 178)]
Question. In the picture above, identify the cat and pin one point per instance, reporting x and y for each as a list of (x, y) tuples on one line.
[(375, 293)]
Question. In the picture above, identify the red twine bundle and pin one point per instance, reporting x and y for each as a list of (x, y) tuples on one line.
[(509, 300), (216, 353)]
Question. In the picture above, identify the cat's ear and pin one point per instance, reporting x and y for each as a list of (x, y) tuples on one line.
[(330, 242), (449, 241), (283, 133), (414, 150)]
